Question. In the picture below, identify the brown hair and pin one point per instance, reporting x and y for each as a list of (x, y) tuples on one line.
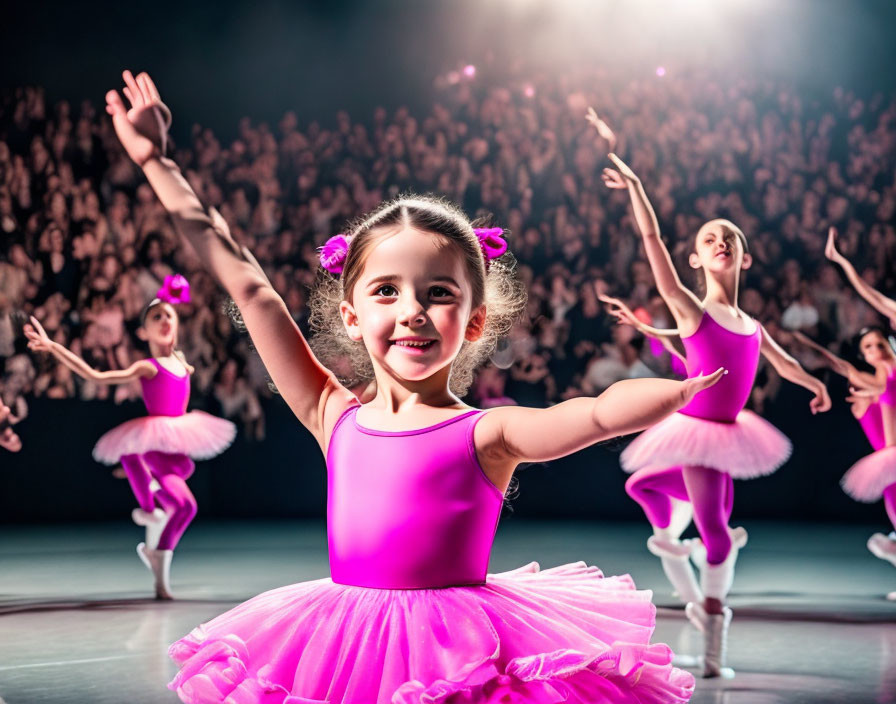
[(496, 286)]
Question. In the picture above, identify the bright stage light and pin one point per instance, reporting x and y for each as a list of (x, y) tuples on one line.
[(660, 71), (469, 70), (529, 91)]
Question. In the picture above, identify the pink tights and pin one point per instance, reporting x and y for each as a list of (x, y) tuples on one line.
[(171, 472), (710, 492)]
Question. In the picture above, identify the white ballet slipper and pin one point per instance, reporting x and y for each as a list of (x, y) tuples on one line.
[(674, 556), (159, 563), (883, 546), (714, 628), (154, 523)]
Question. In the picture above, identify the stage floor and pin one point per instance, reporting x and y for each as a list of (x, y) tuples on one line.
[(811, 624)]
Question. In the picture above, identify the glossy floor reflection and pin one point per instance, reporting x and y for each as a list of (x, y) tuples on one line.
[(810, 624)]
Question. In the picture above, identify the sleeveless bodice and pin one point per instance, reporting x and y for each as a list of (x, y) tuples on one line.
[(713, 346), (410, 509), (166, 394)]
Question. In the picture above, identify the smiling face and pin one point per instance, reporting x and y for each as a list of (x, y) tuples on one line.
[(160, 325), (718, 248), (874, 348), (412, 305)]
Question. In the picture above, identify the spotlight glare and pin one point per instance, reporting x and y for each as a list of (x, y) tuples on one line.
[(469, 70), (660, 71), (529, 91)]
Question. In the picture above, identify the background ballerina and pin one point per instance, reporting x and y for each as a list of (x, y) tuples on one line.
[(157, 450)]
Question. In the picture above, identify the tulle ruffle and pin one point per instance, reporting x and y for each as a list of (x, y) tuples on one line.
[(867, 478), (746, 448), (560, 635), (196, 434)]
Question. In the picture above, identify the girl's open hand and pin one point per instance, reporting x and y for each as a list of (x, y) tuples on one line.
[(620, 177), (620, 311), (142, 129), (603, 129), (38, 340), (830, 249)]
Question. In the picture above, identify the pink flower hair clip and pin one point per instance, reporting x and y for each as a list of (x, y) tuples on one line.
[(333, 253), (175, 289), (492, 242)]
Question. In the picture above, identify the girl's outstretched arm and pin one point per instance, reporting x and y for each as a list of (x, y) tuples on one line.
[(861, 380), (791, 370), (510, 435), (312, 392), (877, 300), (684, 305), (39, 341), (670, 339)]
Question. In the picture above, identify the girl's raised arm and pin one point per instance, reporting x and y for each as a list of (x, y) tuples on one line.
[(39, 341), (312, 392), (861, 380), (791, 370), (883, 305), (684, 305), (510, 435)]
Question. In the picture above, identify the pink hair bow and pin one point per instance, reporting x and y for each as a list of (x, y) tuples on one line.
[(492, 242), (333, 253), (175, 289)]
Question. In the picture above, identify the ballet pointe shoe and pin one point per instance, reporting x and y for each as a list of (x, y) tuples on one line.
[(159, 563), (675, 558), (714, 628), (884, 547), (154, 523), (739, 539)]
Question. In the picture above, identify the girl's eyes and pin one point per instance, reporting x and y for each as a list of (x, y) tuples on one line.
[(387, 290)]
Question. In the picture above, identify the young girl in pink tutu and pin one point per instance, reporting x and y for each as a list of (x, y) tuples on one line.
[(156, 451), (684, 466), (873, 398), (416, 479)]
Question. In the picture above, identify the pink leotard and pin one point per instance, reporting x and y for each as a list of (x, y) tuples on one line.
[(713, 346), (166, 394), (872, 423), (410, 509)]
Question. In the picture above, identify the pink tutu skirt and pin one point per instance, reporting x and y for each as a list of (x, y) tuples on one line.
[(195, 434), (565, 634), (867, 478), (747, 448)]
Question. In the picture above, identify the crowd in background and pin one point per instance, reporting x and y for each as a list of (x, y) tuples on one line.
[(84, 244)]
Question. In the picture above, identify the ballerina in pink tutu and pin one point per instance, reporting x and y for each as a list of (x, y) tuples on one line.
[(156, 451), (873, 403), (683, 468), (416, 478)]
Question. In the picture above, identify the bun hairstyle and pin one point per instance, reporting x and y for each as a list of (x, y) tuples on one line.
[(175, 289), (490, 268)]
